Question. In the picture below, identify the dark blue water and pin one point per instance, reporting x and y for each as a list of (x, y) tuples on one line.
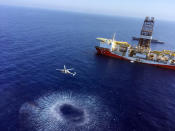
[(35, 42)]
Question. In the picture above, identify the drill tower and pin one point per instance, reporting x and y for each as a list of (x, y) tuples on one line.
[(146, 33)]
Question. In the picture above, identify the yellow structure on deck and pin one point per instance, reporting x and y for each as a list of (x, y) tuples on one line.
[(147, 51), (109, 41)]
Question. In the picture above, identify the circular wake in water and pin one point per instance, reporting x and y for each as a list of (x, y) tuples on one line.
[(65, 112)]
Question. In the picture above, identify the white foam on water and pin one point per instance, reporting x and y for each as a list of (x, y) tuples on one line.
[(44, 113)]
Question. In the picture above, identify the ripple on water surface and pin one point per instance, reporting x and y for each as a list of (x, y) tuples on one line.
[(65, 111)]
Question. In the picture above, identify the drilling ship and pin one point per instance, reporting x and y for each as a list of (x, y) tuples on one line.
[(141, 53)]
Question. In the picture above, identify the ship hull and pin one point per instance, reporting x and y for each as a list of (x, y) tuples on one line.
[(107, 52)]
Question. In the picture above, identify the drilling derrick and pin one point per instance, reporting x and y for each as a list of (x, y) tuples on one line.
[(146, 33), (141, 53)]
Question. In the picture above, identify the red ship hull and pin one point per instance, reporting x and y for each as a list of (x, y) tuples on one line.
[(106, 52)]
